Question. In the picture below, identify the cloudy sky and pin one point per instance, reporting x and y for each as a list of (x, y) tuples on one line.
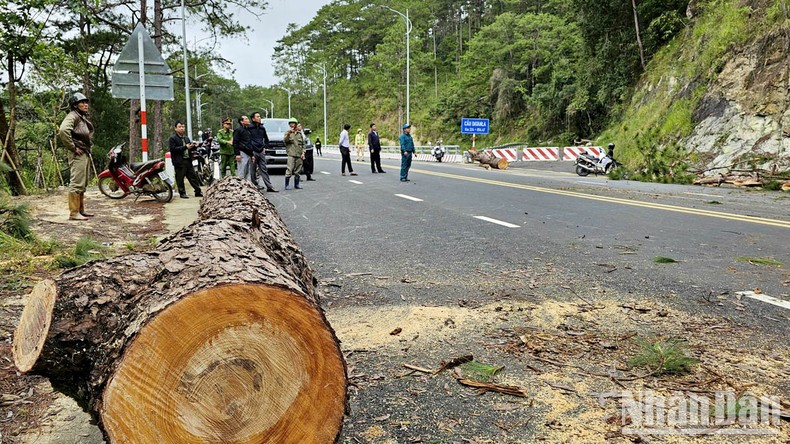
[(252, 59)]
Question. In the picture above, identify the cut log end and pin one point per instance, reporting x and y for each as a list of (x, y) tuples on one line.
[(233, 364), (31, 333)]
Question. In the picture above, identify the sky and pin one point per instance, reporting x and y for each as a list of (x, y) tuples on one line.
[(261, 40)]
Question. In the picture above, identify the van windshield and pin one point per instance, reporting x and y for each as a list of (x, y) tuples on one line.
[(276, 125)]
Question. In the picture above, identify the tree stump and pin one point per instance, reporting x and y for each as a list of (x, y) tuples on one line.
[(217, 336)]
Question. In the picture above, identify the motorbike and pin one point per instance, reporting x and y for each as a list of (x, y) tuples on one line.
[(205, 160), (438, 152), (122, 178), (588, 163)]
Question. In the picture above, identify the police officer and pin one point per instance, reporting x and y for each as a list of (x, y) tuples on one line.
[(294, 147), (406, 151), (226, 154)]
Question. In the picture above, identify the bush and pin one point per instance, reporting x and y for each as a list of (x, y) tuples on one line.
[(15, 220)]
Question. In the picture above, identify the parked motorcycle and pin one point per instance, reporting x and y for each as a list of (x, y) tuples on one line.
[(588, 163), (205, 160), (438, 152), (141, 179)]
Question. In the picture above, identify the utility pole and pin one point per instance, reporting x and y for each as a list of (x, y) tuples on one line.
[(408, 31), (186, 69)]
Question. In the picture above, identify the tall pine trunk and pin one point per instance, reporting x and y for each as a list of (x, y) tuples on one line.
[(11, 154), (158, 140)]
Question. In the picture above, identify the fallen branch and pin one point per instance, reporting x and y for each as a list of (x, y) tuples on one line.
[(483, 387)]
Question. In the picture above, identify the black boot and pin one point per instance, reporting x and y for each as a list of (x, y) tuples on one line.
[(288, 183), (310, 178), (296, 183)]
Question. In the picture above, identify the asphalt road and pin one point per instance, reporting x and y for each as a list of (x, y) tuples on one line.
[(596, 231)]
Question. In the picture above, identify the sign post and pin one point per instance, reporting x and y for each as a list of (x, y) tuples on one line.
[(140, 73), (474, 127)]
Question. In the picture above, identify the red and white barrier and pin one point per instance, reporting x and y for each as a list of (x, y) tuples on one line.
[(541, 154), (573, 152), (509, 154), (169, 166)]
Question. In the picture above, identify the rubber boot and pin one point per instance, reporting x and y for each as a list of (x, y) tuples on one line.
[(288, 183), (82, 206), (296, 183), (74, 207)]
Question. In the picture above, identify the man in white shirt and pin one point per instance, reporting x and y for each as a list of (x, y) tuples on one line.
[(345, 151)]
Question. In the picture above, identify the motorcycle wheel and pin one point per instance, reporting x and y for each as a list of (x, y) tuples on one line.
[(164, 192), (106, 185), (581, 171), (206, 175)]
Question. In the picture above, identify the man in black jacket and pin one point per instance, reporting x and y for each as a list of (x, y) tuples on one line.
[(242, 147), (180, 145), (375, 149), (259, 140)]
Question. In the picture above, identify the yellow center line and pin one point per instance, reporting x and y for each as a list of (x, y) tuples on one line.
[(633, 203)]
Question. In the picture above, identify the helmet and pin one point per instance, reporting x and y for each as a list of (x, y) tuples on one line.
[(208, 130), (611, 145), (407, 125), (293, 120), (77, 98)]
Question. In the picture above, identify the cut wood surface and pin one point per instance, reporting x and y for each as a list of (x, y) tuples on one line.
[(216, 336)]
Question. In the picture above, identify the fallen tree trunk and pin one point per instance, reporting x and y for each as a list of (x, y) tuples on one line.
[(216, 336), (488, 160)]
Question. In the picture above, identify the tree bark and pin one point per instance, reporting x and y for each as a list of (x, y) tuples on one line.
[(9, 151), (638, 36), (158, 140), (215, 336), (487, 159)]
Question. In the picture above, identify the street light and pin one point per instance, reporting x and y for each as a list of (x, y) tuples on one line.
[(408, 31), (289, 99), (323, 69), (272, 103), (186, 68)]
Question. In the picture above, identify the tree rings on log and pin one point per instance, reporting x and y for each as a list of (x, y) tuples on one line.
[(231, 364), (34, 325)]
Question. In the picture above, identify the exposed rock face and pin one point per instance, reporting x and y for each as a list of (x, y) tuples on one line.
[(744, 119)]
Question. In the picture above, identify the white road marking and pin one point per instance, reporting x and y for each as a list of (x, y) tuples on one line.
[(409, 198), (498, 222), (591, 183), (703, 194), (356, 182), (767, 299), (326, 172)]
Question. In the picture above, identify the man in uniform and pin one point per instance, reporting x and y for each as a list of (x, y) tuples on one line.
[(406, 151), (226, 154), (180, 146), (359, 144), (294, 147)]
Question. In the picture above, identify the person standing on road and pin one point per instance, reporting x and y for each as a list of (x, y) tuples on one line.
[(76, 134), (374, 144), (180, 146), (406, 151), (226, 154), (294, 147), (318, 146), (259, 140), (359, 144), (242, 148), (345, 151), (308, 164)]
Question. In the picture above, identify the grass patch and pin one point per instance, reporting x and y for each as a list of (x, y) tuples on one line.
[(480, 371), (663, 357), (760, 261), (664, 260), (86, 249)]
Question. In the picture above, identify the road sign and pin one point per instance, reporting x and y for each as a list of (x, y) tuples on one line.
[(126, 71), (140, 73), (474, 126)]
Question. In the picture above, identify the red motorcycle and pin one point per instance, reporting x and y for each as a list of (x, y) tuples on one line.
[(121, 178)]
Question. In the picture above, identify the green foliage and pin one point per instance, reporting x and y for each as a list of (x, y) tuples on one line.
[(664, 260), (760, 261), (85, 250), (663, 357), (15, 220), (480, 371)]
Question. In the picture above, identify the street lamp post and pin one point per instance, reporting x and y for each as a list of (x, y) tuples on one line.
[(272, 104), (323, 69), (186, 68), (408, 31), (289, 99)]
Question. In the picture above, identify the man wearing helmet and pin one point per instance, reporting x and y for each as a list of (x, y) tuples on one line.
[(294, 146), (76, 134)]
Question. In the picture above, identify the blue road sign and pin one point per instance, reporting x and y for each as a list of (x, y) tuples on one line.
[(474, 126)]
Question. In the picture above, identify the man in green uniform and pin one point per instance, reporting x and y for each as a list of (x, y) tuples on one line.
[(227, 157), (294, 147), (406, 151)]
